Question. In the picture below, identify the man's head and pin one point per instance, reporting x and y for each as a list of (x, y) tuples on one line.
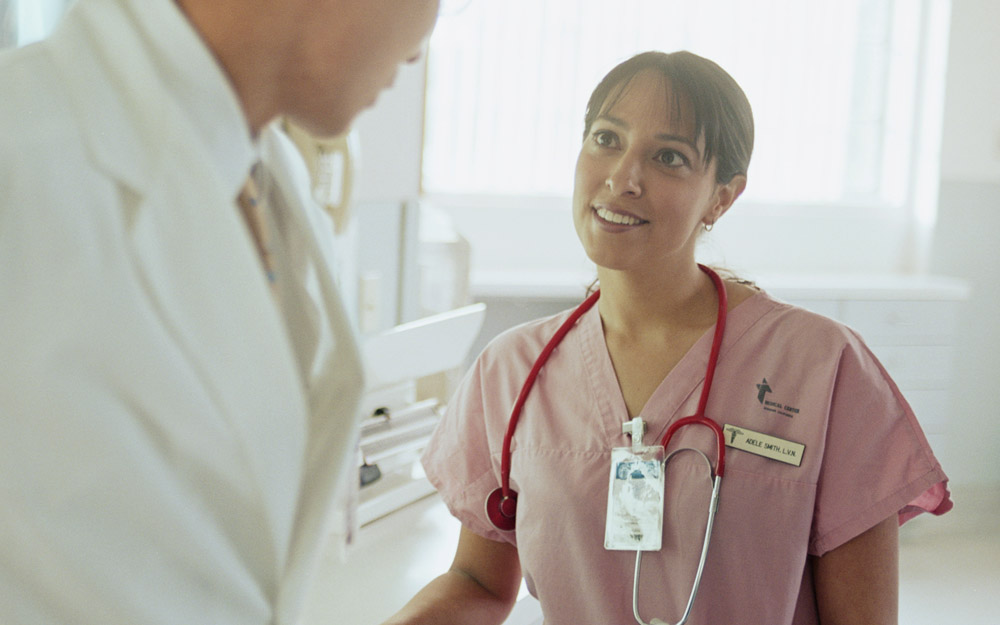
[(317, 62)]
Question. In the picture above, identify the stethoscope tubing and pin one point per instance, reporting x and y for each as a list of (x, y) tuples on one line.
[(713, 506), (529, 382), (502, 503), (713, 359)]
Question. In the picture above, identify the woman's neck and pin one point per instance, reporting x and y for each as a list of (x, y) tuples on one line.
[(666, 302)]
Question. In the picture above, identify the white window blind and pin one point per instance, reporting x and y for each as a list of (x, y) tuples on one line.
[(833, 85)]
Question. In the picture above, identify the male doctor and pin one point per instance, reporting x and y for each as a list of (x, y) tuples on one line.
[(178, 382)]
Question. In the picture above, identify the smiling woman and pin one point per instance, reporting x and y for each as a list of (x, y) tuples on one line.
[(644, 180), (580, 385)]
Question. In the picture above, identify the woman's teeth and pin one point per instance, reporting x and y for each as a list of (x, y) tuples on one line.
[(617, 218)]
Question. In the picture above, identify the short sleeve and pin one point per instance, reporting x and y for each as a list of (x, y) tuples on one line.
[(876, 461), (459, 460)]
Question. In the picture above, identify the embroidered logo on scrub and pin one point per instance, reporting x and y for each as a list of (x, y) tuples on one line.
[(774, 406)]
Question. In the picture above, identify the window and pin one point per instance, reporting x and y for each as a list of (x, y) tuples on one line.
[(25, 21), (835, 87)]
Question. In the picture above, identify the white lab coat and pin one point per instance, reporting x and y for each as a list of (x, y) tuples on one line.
[(162, 459)]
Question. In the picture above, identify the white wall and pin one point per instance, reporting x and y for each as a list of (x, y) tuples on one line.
[(967, 233), (383, 235), (391, 136), (970, 150)]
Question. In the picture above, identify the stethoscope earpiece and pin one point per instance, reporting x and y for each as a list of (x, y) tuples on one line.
[(502, 510)]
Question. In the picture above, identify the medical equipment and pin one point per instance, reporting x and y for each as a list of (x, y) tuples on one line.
[(401, 415), (501, 504), (698, 418)]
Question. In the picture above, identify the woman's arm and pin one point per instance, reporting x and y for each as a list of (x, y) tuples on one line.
[(480, 588), (858, 582)]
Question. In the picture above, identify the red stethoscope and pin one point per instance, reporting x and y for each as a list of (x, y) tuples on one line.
[(501, 504)]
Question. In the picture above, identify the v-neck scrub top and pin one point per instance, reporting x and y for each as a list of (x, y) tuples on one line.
[(782, 371)]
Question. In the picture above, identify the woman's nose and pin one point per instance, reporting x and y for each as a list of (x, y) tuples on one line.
[(626, 177)]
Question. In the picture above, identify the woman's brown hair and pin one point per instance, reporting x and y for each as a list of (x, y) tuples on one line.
[(721, 110)]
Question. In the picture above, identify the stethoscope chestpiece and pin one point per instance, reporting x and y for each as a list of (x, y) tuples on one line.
[(501, 509)]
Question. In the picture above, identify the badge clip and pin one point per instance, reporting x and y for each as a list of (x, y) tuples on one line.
[(636, 428)]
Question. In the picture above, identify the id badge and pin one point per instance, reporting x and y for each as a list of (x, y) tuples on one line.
[(635, 500)]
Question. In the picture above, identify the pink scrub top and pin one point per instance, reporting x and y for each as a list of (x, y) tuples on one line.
[(782, 371)]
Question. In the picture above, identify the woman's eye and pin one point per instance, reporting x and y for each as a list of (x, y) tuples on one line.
[(671, 158), (605, 138)]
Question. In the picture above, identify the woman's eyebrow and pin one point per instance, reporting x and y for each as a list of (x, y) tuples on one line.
[(663, 136), (681, 139)]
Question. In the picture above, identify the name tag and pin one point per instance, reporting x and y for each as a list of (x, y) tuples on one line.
[(764, 445)]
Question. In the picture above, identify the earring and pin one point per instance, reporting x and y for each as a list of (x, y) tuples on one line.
[(708, 227)]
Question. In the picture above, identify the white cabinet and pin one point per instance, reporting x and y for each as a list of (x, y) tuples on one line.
[(908, 322)]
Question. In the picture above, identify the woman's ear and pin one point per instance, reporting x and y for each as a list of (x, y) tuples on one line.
[(725, 195)]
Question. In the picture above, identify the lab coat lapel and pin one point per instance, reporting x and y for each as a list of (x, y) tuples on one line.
[(203, 277), (336, 386)]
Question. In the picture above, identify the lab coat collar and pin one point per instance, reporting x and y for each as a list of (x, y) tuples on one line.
[(129, 127)]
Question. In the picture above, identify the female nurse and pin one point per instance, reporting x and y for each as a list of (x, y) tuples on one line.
[(802, 536)]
